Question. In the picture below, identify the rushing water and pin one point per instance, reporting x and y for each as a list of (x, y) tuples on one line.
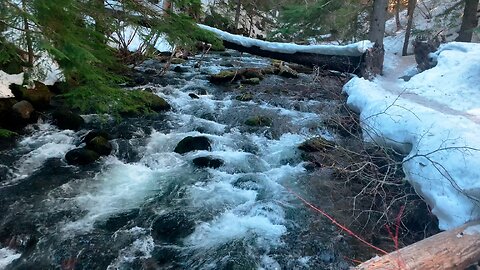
[(146, 207)]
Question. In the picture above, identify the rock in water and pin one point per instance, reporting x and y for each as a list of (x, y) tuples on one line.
[(287, 72), (100, 145), (23, 111), (193, 96), (190, 143), (207, 162), (172, 226), (81, 156), (65, 119), (316, 144)]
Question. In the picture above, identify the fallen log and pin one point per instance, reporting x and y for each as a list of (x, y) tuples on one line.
[(349, 58), (453, 249)]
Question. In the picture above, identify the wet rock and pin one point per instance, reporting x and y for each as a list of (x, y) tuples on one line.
[(287, 72), (150, 71), (5, 109), (247, 183), (164, 255), (227, 64), (40, 96), (251, 81), (117, 221), (258, 121), (23, 111), (19, 234), (100, 145), (225, 76), (65, 119), (172, 226), (245, 97), (252, 73), (95, 133), (158, 104), (81, 156), (207, 162), (7, 138), (345, 125), (59, 87), (193, 96), (180, 69), (190, 143), (316, 144)]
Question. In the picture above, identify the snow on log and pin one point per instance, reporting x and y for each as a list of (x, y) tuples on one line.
[(453, 249), (348, 58)]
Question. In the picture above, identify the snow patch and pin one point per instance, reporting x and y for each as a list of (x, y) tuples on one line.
[(5, 81)]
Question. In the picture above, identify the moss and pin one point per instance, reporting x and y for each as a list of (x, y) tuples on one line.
[(117, 102), (245, 97), (252, 81), (258, 121), (7, 134)]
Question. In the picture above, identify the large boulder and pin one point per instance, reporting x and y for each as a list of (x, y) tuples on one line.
[(190, 143), (95, 133), (157, 104), (258, 121), (100, 145), (23, 111), (5, 110), (207, 162), (316, 144), (81, 156), (65, 119), (40, 96)]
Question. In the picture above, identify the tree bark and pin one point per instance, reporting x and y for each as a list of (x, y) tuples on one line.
[(237, 14), (28, 35), (397, 14), (377, 23), (469, 21), (454, 249), (411, 9)]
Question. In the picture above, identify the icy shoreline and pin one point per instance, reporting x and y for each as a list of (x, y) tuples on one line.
[(434, 119)]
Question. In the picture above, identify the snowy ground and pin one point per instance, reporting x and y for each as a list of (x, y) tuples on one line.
[(435, 119)]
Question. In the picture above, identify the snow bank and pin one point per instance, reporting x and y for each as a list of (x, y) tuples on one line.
[(355, 49), (6, 80), (135, 38), (431, 119)]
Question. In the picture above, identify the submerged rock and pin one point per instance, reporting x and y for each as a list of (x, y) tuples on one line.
[(207, 162), (172, 226), (81, 156), (258, 121), (245, 97), (65, 119), (190, 143), (193, 96), (252, 81), (100, 145)]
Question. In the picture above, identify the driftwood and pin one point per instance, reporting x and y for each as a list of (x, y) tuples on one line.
[(453, 249)]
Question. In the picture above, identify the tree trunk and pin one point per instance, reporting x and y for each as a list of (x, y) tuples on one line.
[(397, 14), (411, 9), (28, 35), (376, 34), (377, 23), (454, 249), (167, 6), (469, 21), (237, 14)]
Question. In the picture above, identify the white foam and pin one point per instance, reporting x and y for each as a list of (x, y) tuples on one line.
[(7, 256)]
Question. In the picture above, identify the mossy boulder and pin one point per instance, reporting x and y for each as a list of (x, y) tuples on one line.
[(316, 144), (66, 119), (100, 145), (156, 103), (258, 121), (251, 73), (177, 61), (81, 156), (189, 144), (207, 162), (95, 133), (6, 134), (245, 97), (40, 96), (225, 76), (5, 111)]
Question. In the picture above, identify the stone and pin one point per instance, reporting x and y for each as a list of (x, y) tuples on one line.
[(23, 110), (95, 133), (287, 72), (193, 96), (157, 103), (225, 76), (81, 156), (40, 96), (245, 97), (65, 119), (177, 61), (258, 121), (7, 138), (251, 73), (117, 221), (207, 162), (190, 143), (180, 69), (5, 109), (100, 145), (316, 144), (172, 226)]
